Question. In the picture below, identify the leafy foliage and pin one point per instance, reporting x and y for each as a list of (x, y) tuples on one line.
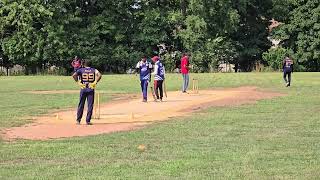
[(274, 57), (301, 32), (115, 34)]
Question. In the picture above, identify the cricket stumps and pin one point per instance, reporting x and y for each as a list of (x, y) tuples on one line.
[(58, 117), (131, 117), (195, 86)]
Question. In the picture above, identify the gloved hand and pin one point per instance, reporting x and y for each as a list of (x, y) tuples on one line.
[(93, 85), (82, 86)]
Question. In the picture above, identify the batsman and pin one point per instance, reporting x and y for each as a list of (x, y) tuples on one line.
[(89, 77), (159, 73)]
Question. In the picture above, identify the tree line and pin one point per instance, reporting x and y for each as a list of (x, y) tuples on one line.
[(116, 34)]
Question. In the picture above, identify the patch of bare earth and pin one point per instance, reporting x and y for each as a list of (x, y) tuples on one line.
[(129, 114)]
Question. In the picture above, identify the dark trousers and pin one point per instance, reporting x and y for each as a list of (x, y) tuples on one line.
[(158, 86), (89, 95), (144, 88), (285, 74)]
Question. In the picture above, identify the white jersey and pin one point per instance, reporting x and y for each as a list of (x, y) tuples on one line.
[(159, 71)]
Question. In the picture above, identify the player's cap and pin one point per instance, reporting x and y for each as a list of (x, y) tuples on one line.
[(155, 58)]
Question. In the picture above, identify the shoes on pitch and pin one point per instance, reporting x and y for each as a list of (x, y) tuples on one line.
[(78, 122), (89, 123)]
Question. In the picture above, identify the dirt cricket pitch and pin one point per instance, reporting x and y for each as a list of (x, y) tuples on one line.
[(131, 114)]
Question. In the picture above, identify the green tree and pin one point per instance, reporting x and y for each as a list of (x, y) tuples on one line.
[(300, 32), (115, 34), (274, 57), (251, 36), (22, 29)]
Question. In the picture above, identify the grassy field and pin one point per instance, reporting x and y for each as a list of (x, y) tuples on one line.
[(273, 139)]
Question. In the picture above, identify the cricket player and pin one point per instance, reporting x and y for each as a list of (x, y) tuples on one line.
[(144, 68), (287, 70), (159, 72), (89, 77), (185, 72), (76, 63)]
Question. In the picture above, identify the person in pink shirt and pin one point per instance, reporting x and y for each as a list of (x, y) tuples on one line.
[(185, 72), (76, 63)]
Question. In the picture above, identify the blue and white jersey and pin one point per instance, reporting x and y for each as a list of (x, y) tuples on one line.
[(144, 68), (159, 71)]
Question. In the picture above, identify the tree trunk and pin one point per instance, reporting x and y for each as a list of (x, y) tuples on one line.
[(7, 71), (183, 7)]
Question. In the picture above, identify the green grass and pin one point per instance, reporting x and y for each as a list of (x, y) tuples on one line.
[(273, 139)]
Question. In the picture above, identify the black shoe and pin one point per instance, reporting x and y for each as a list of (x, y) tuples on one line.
[(89, 123), (78, 122)]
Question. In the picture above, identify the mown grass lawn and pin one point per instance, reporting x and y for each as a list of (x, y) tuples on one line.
[(273, 139)]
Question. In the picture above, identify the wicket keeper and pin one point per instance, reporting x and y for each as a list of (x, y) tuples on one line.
[(89, 77), (144, 68)]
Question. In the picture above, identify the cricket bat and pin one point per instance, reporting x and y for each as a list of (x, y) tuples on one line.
[(165, 88), (153, 94)]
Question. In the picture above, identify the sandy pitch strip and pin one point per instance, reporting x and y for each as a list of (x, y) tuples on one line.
[(132, 114)]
